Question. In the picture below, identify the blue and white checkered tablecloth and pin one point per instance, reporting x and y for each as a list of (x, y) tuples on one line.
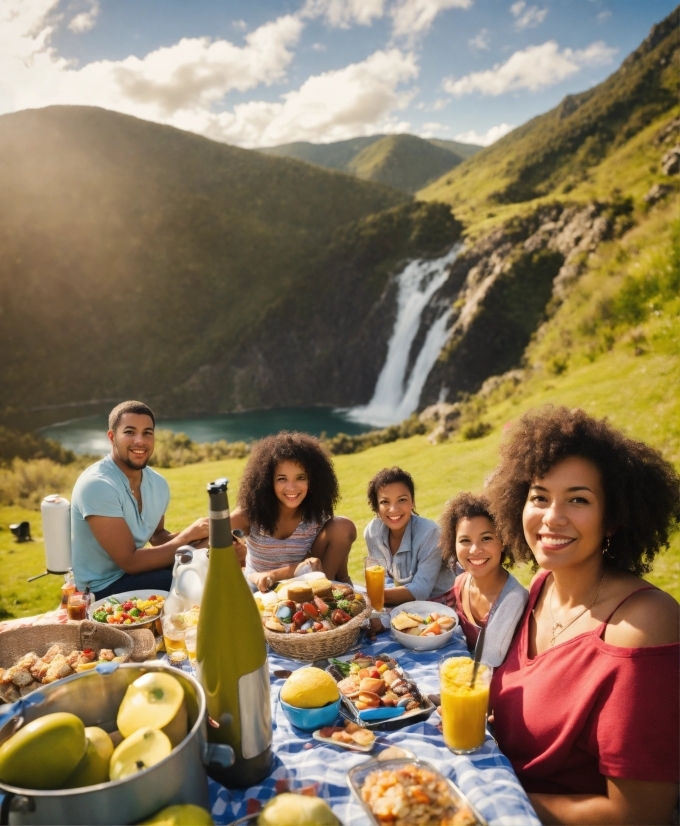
[(486, 776)]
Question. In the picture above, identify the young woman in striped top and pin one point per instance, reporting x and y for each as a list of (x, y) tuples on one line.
[(285, 508)]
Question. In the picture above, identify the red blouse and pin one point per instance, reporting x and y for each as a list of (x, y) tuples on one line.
[(585, 710)]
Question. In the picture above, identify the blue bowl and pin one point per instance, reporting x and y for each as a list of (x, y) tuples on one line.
[(310, 719)]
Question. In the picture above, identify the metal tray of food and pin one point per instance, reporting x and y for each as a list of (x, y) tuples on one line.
[(448, 804), (406, 687)]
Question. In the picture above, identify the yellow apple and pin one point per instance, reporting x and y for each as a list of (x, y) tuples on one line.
[(43, 753), (289, 809), (155, 699), (94, 767), (141, 750), (185, 814)]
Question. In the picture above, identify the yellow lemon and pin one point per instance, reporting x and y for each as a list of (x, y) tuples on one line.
[(309, 688)]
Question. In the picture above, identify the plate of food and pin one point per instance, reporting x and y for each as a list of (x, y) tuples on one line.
[(130, 609), (423, 625), (377, 693), (403, 791), (350, 736)]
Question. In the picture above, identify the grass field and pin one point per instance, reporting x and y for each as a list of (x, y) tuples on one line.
[(621, 385)]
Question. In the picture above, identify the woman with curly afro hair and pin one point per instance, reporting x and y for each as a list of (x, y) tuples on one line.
[(285, 507), (485, 594), (586, 703)]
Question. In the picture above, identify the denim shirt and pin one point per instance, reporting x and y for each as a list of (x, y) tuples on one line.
[(417, 564)]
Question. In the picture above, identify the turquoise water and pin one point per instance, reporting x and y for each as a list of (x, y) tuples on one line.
[(88, 435)]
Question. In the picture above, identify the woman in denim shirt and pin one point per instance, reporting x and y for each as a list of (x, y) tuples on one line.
[(405, 543)]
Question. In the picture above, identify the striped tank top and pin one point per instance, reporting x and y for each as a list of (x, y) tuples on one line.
[(265, 552)]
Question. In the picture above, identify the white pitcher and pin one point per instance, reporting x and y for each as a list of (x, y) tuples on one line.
[(188, 579)]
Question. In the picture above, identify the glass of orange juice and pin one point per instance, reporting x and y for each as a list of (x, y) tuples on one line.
[(375, 582), (463, 708)]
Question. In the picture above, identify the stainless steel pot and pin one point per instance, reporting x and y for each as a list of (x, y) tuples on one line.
[(95, 697)]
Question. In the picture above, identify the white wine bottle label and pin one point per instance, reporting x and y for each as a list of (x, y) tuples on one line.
[(255, 711)]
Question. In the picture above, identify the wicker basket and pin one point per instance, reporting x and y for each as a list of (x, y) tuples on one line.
[(319, 646), (144, 645), (80, 635)]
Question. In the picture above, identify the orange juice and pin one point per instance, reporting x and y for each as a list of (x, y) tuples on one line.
[(463, 708), (375, 584)]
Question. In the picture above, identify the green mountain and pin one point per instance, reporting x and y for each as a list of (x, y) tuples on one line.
[(402, 161), (134, 254), (552, 154)]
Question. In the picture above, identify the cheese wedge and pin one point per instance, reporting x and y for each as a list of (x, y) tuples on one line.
[(403, 621)]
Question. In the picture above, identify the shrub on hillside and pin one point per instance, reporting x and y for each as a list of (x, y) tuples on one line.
[(14, 444), (177, 450), (344, 444), (26, 483)]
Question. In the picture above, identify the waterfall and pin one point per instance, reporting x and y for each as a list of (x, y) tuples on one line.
[(396, 395)]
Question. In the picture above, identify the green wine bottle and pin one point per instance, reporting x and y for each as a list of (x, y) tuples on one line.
[(231, 657)]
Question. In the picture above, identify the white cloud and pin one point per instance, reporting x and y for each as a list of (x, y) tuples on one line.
[(359, 99), (527, 17), (431, 130), (414, 17), (193, 74), (186, 84), (480, 42), (603, 16), (86, 20), (533, 68), (239, 25), (341, 14), (485, 138)]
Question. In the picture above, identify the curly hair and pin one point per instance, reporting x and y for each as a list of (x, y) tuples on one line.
[(256, 496), (641, 489), (388, 476), (464, 506)]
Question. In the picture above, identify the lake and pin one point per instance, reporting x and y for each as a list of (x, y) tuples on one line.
[(88, 435)]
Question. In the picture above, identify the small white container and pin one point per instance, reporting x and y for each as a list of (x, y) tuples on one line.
[(56, 520)]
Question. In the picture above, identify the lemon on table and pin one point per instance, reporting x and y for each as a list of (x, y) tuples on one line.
[(309, 688)]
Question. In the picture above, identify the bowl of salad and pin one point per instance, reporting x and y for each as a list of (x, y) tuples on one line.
[(131, 609)]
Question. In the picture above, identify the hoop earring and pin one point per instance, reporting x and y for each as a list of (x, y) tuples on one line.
[(605, 549)]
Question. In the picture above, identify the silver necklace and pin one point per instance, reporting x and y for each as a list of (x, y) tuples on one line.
[(558, 625)]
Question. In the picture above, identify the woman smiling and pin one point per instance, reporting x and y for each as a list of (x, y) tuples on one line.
[(285, 508), (586, 704), (407, 544)]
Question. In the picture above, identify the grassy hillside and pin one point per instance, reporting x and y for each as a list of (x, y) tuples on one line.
[(131, 254), (553, 155), (402, 161)]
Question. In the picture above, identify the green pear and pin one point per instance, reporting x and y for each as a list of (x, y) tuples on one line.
[(43, 753), (185, 814), (94, 767), (141, 750), (156, 700), (289, 809)]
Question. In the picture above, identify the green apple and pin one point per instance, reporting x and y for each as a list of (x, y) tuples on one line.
[(141, 750), (185, 814), (43, 753), (289, 809), (156, 700), (94, 767)]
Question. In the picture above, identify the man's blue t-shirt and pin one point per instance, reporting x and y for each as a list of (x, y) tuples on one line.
[(103, 490)]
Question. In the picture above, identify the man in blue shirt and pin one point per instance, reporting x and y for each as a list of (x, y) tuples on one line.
[(118, 506)]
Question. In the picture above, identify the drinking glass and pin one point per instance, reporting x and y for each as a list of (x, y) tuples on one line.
[(173, 633), (463, 708), (374, 571), (76, 607), (190, 644)]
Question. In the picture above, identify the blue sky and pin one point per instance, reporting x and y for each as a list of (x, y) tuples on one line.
[(266, 72)]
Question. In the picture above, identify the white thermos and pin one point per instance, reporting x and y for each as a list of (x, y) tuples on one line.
[(56, 520)]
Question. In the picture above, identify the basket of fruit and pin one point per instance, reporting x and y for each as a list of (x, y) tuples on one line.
[(315, 620)]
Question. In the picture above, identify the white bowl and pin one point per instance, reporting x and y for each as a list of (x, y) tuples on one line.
[(141, 593), (423, 608)]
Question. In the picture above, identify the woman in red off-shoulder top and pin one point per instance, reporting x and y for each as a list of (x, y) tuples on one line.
[(586, 703)]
